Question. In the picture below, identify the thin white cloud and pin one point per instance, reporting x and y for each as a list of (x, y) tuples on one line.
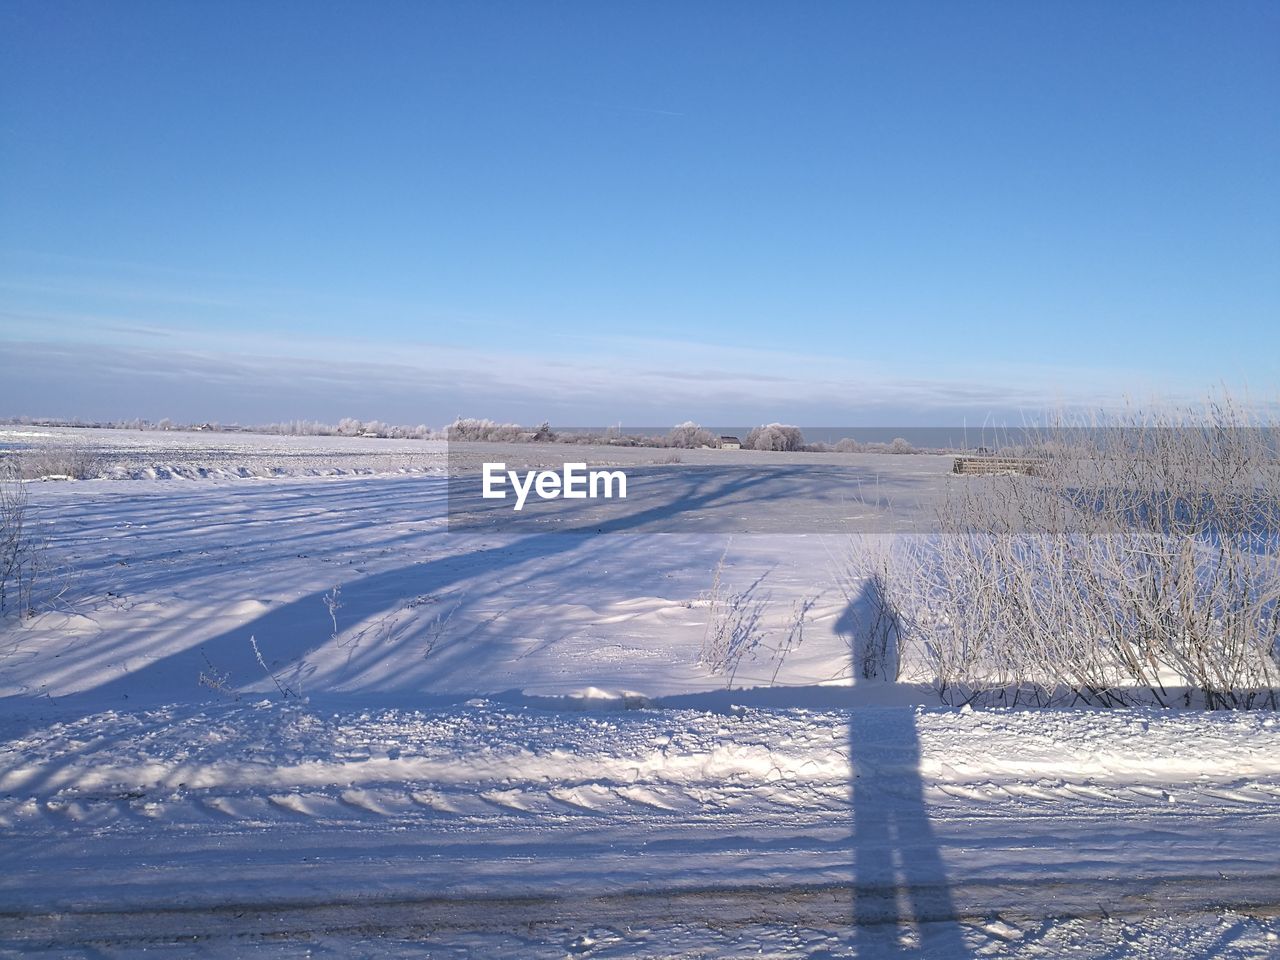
[(264, 376)]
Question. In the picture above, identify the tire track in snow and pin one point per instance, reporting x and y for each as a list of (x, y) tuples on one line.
[(826, 908)]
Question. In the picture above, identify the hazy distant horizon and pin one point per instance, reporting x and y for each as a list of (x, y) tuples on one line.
[(109, 382)]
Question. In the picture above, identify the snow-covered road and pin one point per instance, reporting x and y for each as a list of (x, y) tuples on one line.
[(302, 819)]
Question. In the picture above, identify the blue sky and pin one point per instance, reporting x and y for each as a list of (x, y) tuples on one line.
[(821, 212)]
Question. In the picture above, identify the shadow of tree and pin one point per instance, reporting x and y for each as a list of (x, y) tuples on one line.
[(289, 633), (818, 498)]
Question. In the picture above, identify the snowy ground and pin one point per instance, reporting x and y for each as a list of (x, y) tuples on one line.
[(152, 454), (161, 454), (507, 746), (488, 828)]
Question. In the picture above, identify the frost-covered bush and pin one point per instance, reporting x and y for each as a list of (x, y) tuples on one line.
[(689, 435), (1140, 563), (299, 428), (775, 436), (347, 427), (735, 624), (20, 551), (61, 461), (471, 429)]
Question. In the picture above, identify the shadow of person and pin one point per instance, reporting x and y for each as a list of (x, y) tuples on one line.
[(869, 625), (902, 902), (902, 899)]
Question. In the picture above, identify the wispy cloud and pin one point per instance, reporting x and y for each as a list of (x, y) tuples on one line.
[(115, 369)]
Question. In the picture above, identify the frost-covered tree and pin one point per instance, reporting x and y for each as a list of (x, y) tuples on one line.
[(775, 436), (471, 428), (690, 435)]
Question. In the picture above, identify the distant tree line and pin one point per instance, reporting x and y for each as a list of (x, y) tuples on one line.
[(689, 435)]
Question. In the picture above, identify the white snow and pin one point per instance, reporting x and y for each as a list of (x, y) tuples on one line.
[(488, 745), (1019, 817)]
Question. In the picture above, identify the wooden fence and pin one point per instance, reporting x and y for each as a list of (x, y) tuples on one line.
[(996, 465)]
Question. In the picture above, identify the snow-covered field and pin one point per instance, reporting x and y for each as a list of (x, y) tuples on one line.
[(298, 716), (152, 454)]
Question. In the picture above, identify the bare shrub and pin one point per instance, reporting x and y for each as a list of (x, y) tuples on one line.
[(437, 628), (21, 549), (1139, 564), (60, 462), (219, 681), (285, 690), (734, 623), (332, 604), (877, 633), (872, 623), (793, 635)]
